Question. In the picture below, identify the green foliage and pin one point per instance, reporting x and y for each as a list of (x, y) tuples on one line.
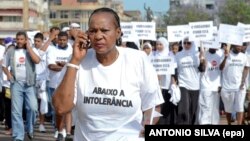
[(186, 14), (235, 11)]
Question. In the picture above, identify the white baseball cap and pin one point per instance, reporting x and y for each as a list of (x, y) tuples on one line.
[(74, 25), (65, 29)]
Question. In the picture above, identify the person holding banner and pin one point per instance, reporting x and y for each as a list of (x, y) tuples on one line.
[(188, 62), (114, 90), (166, 80), (235, 67), (209, 99)]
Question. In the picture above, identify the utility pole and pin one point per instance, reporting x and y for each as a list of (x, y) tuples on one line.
[(26, 14)]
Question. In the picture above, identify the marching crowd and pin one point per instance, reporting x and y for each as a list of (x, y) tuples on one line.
[(96, 87)]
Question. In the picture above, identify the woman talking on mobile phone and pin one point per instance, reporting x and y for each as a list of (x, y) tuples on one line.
[(114, 90)]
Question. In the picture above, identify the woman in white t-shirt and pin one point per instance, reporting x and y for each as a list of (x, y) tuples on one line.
[(188, 62), (112, 88)]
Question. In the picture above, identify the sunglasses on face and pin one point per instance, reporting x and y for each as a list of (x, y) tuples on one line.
[(187, 43)]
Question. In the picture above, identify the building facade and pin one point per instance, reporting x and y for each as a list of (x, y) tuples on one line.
[(19, 15), (65, 12)]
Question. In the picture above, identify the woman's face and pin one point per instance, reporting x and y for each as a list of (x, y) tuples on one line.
[(187, 44), (159, 46), (103, 32), (147, 49)]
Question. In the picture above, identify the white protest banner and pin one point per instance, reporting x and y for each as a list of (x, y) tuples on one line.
[(246, 27), (145, 30), (214, 43), (231, 34), (177, 33), (163, 65), (128, 31), (201, 31)]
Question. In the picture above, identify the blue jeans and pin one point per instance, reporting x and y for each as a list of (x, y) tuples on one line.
[(51, 108), (23, 94)]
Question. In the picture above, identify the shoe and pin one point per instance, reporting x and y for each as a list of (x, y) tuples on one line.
[(59, 137), (69, 137), (42, 128), (9, 132), (30, 136), (64, 133), (56, 134)]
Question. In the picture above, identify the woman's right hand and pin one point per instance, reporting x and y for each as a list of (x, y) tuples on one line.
[(80, 47)]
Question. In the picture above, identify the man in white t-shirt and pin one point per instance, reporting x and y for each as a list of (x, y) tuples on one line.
[(208, 111), (22, 75), (234, 72), (56, 59)]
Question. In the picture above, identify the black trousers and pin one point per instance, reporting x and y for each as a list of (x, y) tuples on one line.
[(187, 107), (168, 110)]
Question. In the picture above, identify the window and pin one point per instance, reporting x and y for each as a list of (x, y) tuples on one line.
[(52, 14), (64, 14), (11, 19), (210, 6), (76, 14)]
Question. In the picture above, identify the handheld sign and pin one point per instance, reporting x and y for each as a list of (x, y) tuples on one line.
[(163, 65), (177, 33), (128, 31), (231, 34), (200, 31), (145, 30), (246, 27), (214, 43)]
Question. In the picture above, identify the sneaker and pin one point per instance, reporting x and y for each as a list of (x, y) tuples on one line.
[(42, 128), (69, 137), (30, 136), (8, 132), (64, 133), (56, 134), (59, 137)]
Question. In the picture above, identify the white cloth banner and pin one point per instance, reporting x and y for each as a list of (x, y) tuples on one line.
[(231, 34), (145, 30)]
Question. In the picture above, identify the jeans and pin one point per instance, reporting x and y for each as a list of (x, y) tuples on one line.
[(23, 94), (51, 108)]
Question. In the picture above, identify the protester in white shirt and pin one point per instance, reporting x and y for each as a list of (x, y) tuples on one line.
[(112, 88), (188, 61), (56, 59), (22, 59), (208, 111), (235, 67), (168, 108)]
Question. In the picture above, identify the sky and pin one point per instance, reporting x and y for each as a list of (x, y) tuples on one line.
[(155, 5)]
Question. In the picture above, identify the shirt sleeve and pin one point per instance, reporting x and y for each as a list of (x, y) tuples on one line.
[(6, 60), (151, 95), (51, 57)]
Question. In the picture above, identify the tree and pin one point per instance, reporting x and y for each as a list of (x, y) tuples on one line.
[(235, 11), (186, 14)]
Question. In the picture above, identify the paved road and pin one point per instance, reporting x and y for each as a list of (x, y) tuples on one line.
[(50, 132), (48, 136)]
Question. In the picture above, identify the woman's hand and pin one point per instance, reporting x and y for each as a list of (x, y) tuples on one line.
[(80, 47)]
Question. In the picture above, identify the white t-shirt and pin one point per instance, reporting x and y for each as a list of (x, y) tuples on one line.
[(2, 50), (232, 72), (41, 68), (187, 67), (56, 54), (110, 99), (210, 79)]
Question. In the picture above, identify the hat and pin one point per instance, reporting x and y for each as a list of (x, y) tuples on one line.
[(74, 25), (8, 41), (65, 29)]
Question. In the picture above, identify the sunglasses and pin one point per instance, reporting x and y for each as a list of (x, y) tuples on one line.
[(188, 43)]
